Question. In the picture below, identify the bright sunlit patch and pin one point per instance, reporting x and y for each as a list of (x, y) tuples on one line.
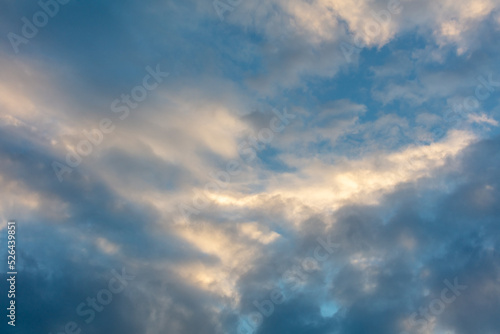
[(107, 246)]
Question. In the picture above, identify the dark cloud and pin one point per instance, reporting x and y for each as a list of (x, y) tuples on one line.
[(388, 267), (391, 258)]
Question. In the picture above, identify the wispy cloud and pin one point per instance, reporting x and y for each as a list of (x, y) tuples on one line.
[(296, 167)]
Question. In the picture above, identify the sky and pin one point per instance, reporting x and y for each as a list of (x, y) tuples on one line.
[(251, 166)]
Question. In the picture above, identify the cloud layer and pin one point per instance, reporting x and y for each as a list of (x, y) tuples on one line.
[(305, 166)]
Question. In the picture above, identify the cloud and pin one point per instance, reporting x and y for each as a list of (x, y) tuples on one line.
[(370, 159)]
